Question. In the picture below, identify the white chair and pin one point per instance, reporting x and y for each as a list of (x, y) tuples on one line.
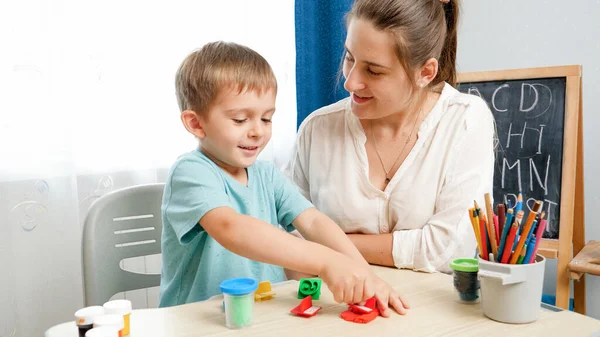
[(122, 224)]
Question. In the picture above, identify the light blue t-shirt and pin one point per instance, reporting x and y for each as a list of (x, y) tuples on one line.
[(193, 263)]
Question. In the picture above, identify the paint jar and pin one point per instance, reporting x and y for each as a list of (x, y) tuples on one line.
[(120, 307), (84, 318), (466, 284), (512, 293), (238, 294), (105, 331), (114, 321)]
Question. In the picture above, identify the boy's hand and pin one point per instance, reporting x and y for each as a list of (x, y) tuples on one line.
[(387, 297), (349, 281)]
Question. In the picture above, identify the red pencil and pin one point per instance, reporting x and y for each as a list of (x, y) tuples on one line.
[(509, 242), (483, 233), (497, 229)]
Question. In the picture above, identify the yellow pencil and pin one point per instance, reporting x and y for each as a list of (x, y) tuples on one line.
[(472, 215), (481, 237)]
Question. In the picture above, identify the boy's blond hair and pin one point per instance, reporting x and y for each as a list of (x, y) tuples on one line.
[(219, 65)]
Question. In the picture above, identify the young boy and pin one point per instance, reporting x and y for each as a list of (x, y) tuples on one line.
[(221, 208)]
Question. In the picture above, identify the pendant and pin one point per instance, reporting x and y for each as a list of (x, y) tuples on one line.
[(387, 180)]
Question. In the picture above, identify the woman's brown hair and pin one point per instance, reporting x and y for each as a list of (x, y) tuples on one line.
[(423, 29)]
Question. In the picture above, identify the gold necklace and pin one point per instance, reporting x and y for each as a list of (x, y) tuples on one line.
[(387, 172)]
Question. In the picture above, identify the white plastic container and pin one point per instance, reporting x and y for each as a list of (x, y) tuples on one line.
[(512, 293), (120, 307), (105, 331), (113, 321), (84, 318)]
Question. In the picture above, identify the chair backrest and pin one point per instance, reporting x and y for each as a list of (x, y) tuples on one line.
[(122, 224)]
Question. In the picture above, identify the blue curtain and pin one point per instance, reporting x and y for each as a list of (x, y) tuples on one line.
[(320, 35)]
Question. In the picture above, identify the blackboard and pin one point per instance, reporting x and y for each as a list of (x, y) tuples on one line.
[(530, 119)]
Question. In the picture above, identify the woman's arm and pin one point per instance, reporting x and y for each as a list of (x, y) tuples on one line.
[(375, 248), (317, 227)]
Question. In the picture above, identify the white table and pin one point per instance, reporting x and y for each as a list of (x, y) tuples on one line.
[(434, 312)]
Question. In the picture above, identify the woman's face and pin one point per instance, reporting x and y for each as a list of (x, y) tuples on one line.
[(375, 78)]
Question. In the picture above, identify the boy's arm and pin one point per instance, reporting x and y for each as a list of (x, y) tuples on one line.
[(296, 275), (246, 236), (317, 227), (292, 274)]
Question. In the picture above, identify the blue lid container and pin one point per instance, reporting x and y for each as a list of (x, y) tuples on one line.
[(238, 286)]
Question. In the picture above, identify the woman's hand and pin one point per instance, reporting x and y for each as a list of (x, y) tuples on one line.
[(388, 298)]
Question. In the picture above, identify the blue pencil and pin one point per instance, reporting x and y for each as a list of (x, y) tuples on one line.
[(519, 203), (530, 249), (531, 233)]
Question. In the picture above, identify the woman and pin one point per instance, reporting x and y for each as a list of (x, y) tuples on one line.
[(398, 163)]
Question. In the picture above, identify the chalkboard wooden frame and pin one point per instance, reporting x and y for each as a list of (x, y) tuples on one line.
[(571, 231)]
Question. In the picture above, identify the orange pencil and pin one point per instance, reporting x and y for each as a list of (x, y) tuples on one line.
[(509, 242), (536, 207)]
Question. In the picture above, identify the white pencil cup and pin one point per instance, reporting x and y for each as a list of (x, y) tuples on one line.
[(512, 293)]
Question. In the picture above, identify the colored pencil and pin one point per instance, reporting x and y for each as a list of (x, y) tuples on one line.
[(501, 219), (472, 217), (496, 228), (509, 216), (484, 250), (519, 205), (509, 241), (538, 238), (519, 219), (531, 233), (530, 248)]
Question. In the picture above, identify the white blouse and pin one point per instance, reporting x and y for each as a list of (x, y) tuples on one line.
[(425, 204)]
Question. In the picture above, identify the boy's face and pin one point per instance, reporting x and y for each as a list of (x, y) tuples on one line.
[(237, 127)]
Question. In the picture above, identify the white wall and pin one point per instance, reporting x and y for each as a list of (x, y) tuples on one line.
[(509, 34)]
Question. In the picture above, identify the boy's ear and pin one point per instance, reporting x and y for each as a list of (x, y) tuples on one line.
[(193, 123)]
